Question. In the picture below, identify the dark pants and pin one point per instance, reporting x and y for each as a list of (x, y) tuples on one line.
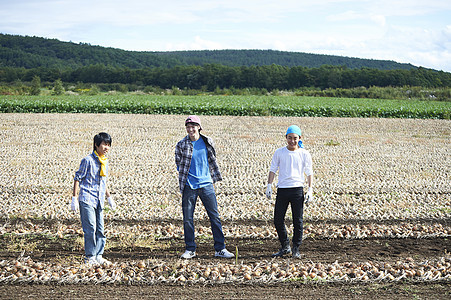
[(285, 196)]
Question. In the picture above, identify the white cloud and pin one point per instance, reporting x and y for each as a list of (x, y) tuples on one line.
[(198, 43), (379, 19)]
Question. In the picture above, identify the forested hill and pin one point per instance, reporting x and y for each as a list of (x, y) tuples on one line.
[(34, 52), (236, 58)]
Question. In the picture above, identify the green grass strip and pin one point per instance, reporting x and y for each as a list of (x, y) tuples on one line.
[(228, 105)]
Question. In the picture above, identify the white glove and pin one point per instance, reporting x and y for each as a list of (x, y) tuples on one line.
[(111, 203), (309, 195), (269, 191), (74, 204)]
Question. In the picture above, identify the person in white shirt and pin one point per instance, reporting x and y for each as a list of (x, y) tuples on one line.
[(292, 162)]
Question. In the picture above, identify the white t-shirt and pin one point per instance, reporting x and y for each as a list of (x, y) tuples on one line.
[(291, 165)]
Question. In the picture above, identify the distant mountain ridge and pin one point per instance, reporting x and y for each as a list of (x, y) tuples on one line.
[(34, 52), (253, 57)]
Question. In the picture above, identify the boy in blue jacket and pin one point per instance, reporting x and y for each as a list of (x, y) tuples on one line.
[(91, 179)]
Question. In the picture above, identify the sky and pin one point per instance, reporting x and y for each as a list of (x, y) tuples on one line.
[(405, 31)]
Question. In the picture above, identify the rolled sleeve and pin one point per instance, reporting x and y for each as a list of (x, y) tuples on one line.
[(82, 170)]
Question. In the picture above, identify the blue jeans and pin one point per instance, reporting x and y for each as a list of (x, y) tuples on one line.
[(93, 228), (295, 197), (208, 197)]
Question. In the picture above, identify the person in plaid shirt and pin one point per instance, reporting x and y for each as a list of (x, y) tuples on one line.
[(195, 157)]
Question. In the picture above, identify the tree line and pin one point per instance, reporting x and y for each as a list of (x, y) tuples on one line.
[(249, 58), (212, 76)]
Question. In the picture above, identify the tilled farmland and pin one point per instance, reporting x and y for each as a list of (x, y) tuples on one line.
[(380, 221)]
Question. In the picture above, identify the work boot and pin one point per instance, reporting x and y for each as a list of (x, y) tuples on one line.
[(296, 253), (283, 250)]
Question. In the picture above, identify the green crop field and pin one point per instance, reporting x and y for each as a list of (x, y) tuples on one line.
[(228, 105)]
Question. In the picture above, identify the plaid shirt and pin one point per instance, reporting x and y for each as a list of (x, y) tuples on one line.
[(92, 185), (183, 154)]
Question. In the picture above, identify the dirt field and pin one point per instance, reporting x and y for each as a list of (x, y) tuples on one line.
[(250, 251), (379, 228), (226, 291)]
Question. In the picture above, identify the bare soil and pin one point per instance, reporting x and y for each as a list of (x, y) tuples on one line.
[(250, 250), (226, 291)]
